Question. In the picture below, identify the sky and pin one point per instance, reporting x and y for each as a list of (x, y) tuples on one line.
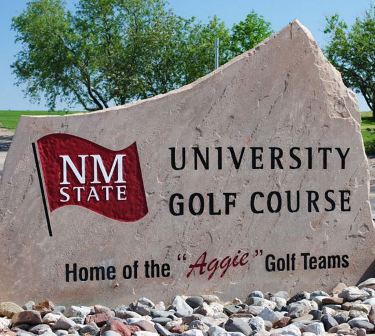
[(311, 13)]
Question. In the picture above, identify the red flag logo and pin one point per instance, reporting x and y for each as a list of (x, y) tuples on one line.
[(79, 172)]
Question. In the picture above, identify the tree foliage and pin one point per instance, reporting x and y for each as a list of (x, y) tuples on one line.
[(352, 52), (110, 52)]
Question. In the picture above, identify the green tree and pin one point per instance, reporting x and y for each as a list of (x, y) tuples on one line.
[(352, 52), (248, 33), (110, 52)]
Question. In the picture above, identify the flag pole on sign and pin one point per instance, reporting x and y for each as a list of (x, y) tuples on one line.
[(42, 189)]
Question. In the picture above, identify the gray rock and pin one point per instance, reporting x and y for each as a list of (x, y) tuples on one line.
[(194, 301), (145, 333), (192, 332), (161, 320), (59, 309), (216, 307), (257, 324), (22, 326), (232, 309), (268, 325), (190, 318), (124, 312), (361, 324), (313, 304), (370, 291), (280, 302), (371, 315), (198, 324), (78, 311), (142, 306), (300, 308), (370, 301), (282, 294), (72, 332), (111, 333), (174, 323), (210, 321), (303, 319), (270, 315), (161, 330), (64, 323), (21, 332), (217, 331), (31, 317), (361, 307), (328, 322), (328, 311), (238, 325), (4, 323), (160, 305), (361, 332), (50, 318), (255, 301), (357, 314), (29, 305), (61, 332), (89, 329), (290, 330), (317, 328), (340, 329), (341, 316), (370, 282), (317, 314), (318, 293), (353, 293), (40, 329), (254, 310), (258, 294), (205, 309), (78, 319), (100, 309), (235, 333), (319, 299), (163, 313), (210, 298), (181, 307), (298, 297)]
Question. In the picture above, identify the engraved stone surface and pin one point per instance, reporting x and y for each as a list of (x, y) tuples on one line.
[(254, 177)]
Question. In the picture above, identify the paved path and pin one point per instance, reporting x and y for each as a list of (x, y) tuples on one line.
[(6, 137)]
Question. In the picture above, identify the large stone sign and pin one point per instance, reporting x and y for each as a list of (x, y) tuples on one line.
[(253, 177)]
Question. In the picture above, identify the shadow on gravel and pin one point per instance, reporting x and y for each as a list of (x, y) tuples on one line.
[(5, 141)]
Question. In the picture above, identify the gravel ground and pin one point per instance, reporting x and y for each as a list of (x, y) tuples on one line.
[(346, 310)]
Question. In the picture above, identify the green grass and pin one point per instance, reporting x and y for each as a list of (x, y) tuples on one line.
[(9, 118), (368, 132)]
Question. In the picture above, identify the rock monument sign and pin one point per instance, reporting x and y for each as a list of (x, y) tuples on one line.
[(253, 177)]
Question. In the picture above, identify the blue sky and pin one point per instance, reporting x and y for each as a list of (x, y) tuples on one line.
[(311, 13)]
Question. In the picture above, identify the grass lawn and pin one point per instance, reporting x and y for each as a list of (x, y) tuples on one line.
[(368, 132), (9, 118)]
